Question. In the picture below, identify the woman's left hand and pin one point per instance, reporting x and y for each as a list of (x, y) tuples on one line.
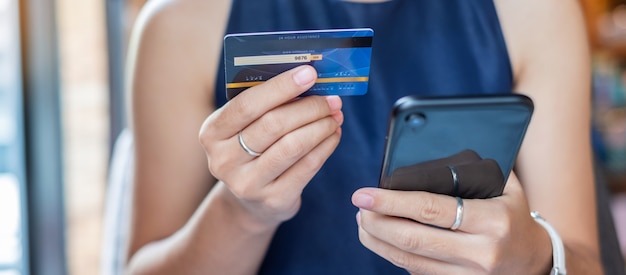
[(496, 236)]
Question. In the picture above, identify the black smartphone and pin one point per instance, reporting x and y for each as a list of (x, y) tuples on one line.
[(462, 146)]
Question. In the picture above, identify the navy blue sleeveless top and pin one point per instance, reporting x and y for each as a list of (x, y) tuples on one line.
[(420, 47)]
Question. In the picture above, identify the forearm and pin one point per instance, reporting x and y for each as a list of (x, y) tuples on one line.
[(219, 239), (581, 260)]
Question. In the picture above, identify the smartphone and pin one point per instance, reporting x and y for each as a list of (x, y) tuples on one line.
[(461, 146)]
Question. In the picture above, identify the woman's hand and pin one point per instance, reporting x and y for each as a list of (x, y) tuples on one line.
[(496, 236), (294, 137)]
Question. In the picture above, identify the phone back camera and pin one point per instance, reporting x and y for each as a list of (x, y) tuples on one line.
[(415, 120)]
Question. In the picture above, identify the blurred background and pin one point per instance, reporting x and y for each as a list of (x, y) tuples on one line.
[(62, 106)]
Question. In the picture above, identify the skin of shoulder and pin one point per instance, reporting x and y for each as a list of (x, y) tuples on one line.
[(172, 64), (549, 51)]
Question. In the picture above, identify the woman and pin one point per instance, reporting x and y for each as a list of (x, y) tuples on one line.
[(289, 209)]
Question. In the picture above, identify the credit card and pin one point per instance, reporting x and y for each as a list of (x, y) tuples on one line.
[(340, 56)]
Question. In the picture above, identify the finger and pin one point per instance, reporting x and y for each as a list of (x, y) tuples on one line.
[(434, 209), (416, 238), (274, 124), (513, 186), (294, 179), (290, 164), (284, 193), (250, 104), (428, 208), (411, 262)]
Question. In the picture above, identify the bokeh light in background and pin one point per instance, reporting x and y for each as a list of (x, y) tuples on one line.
[(84, 91), (609, 93), (11, 166), (10, 246), (85, 94)]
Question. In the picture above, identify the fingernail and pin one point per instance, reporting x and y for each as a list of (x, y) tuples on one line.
[(364, 201), (334, 102), (358, 218), (304, 76), (338, 116)]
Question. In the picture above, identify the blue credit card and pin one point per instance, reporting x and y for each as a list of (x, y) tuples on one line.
[(340, 56)]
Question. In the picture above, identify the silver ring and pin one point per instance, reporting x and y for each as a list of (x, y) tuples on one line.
[(246, 148), (455, 180), (459, 214)]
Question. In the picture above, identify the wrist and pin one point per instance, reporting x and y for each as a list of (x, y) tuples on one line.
[(238, 213), (554, 261)]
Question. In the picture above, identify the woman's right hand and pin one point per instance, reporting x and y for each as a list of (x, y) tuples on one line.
[(295, 136)]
